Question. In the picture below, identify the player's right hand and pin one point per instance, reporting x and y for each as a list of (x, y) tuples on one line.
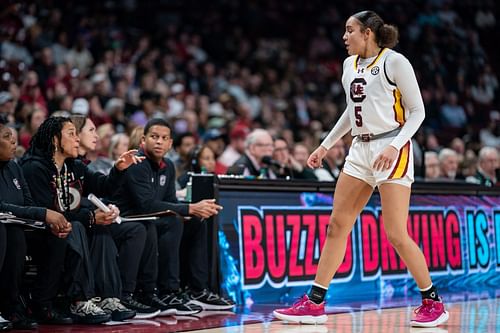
[(315, 159)]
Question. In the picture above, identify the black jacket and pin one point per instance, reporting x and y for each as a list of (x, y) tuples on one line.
[(243, 163), (149, 187), (481, 179), (40, 174), (15, 196)]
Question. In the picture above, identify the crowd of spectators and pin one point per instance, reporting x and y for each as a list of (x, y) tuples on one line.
[(248, 87), (220, 69)]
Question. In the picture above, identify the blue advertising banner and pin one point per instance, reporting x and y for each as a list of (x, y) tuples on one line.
[(270, 243)]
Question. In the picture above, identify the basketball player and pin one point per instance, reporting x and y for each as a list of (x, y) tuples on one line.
[(384, 110)]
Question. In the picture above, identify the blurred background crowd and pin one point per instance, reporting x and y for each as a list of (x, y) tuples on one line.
[(218, 70)]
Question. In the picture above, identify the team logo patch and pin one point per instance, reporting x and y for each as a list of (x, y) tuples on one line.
[(16, 183), (375, 70), (163, 180), (357, 90)]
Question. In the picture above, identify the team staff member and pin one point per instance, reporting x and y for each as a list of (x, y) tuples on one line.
[(5, 325), (15, 198), (149, 188), (103, 250), (123, 241), (59, 182), (194, 254), (384, 110)]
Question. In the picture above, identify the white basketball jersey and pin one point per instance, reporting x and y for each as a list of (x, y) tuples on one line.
[(374, 102)]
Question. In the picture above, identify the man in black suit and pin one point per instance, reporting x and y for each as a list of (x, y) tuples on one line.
[(259, 143)]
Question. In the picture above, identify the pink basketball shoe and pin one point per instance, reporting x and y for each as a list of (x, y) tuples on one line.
[(303, 311), (429, 314)]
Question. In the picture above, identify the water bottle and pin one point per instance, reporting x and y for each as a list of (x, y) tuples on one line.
[(262, 173), (189, 190)]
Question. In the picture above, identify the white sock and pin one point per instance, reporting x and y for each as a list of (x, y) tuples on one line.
[(323, 287), (428, 288)]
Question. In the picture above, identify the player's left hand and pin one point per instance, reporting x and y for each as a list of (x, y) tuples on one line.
[(386, 158), (127, 159)]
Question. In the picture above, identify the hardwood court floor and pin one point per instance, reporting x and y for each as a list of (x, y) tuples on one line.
[(471, 316), (475, 316)]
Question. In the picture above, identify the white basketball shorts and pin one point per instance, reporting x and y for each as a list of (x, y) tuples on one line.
[(362, 155)]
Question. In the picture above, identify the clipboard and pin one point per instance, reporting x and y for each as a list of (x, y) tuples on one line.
[(153, 216)]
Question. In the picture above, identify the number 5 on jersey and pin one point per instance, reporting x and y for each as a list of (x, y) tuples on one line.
[(357, 115)]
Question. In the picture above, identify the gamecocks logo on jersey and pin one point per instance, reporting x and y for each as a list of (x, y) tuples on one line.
[(358, 90), (375, 70)]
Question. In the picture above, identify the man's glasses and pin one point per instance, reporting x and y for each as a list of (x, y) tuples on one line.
[(267, 145)]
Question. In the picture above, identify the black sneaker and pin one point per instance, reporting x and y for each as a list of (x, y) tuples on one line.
[(5, 325), (116, 309), (47, 315), (142, 311), (19, 319), (87, 312), (153, 300), (209, 300), (178, 303)]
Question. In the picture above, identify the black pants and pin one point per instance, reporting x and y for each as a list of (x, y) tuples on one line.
[(148, 269), (51, 252), (104, 261), (70, 255), (3, 244), (92, 267), (169, 231), (79, 273), (194, 255), (12, 254), (137, 254)]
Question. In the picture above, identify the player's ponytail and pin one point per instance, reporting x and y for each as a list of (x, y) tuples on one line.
[(386, 35)]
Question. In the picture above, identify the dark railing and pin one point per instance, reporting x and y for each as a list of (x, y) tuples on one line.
[(419, 187)]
